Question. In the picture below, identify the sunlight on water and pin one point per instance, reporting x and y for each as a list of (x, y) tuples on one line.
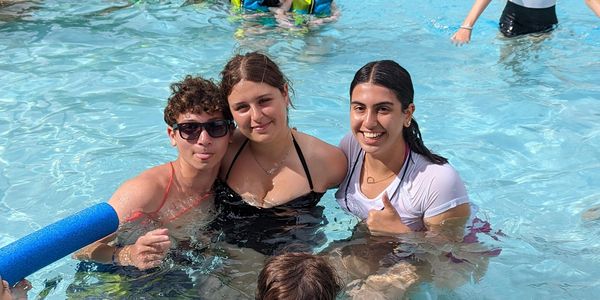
[(84, 86)]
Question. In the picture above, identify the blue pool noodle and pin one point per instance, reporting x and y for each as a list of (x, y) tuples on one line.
[(55, 241)]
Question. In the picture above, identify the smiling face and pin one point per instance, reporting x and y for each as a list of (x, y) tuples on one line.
[(204, 152), (259, 110), (377, 119)]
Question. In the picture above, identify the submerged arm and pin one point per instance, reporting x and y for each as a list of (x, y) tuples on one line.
[(451, 223)]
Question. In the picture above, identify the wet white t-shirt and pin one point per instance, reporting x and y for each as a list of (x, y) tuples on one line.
[(535, 3), (420, 190)]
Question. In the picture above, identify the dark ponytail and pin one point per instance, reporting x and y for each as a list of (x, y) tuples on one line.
[(389, 74)]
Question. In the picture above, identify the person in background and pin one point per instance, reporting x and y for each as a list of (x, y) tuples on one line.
[(292, 13), (177, 197), (519, 17), (298, 276), (319, 8), (594, 5)]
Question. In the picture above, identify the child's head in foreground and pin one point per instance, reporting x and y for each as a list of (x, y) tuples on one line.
[(297, 276)]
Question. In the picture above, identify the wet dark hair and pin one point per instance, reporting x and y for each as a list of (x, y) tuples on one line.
[(298, 276), (389, 74), (255, 67), (195, 95)]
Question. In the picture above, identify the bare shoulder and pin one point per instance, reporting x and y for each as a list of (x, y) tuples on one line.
[(141, 193), (316, 148), (324, 160)]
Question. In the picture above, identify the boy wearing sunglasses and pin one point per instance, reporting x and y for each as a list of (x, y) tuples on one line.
[(166, 201)]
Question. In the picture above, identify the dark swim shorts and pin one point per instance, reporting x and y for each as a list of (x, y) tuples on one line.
[(518, 20)]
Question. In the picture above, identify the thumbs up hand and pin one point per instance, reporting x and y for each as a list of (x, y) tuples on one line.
[(386, 221)]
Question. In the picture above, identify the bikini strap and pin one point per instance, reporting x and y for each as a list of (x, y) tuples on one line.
[(164, 200), (303, 161), (235, 158)]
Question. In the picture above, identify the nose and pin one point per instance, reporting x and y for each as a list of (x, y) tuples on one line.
[(370, 120), (255, 113), (204, 138)]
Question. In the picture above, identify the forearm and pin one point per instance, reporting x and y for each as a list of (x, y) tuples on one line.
[(106, 254), (98, 251), (594, 5), (101, 251), (478, 7)]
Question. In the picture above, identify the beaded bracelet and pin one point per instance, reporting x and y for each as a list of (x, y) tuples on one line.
[(466, 27)]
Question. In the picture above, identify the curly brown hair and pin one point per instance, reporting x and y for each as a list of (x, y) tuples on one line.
[(195, 95), (298, 276)]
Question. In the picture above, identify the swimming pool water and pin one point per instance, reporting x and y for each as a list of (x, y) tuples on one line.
[(84, 84)]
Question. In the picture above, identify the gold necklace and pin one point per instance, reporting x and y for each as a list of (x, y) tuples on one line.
[(276, 166), (371, 180)]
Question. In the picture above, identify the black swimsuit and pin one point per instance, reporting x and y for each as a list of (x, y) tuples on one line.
[(517, 20), (293, 226)]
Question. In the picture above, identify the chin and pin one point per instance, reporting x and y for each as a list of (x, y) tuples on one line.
[(371, 149)]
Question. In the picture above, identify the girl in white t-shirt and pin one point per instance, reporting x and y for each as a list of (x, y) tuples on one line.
[(394, 183)]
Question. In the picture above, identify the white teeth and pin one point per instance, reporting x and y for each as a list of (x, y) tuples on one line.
[(372, 135)]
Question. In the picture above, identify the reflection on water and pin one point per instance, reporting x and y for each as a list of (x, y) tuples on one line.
[(84, 84), (524, 56)]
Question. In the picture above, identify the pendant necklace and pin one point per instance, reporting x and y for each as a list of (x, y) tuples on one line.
[(276, 166)]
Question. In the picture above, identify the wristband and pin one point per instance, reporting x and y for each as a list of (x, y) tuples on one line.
[(466, 27)]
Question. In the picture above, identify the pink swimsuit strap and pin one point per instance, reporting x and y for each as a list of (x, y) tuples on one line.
[(137, 214)]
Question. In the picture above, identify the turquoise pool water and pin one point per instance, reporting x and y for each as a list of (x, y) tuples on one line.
[(84, 84)]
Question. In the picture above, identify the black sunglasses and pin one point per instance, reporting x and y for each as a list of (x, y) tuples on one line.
[(191, 131)]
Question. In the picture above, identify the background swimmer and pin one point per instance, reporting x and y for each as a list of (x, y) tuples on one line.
[(290, 13), (594, 5), (519, 17)]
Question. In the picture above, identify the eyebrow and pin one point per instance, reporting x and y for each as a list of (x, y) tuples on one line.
[(213, 118), (384, 102), (261, 96)]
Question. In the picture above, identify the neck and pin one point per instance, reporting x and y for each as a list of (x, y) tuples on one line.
[(192, 180), (275, 148), (387, 162)]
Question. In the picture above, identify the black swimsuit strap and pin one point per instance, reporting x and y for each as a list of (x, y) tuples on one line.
[(235, 158), (298, 150), (303, 161)]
